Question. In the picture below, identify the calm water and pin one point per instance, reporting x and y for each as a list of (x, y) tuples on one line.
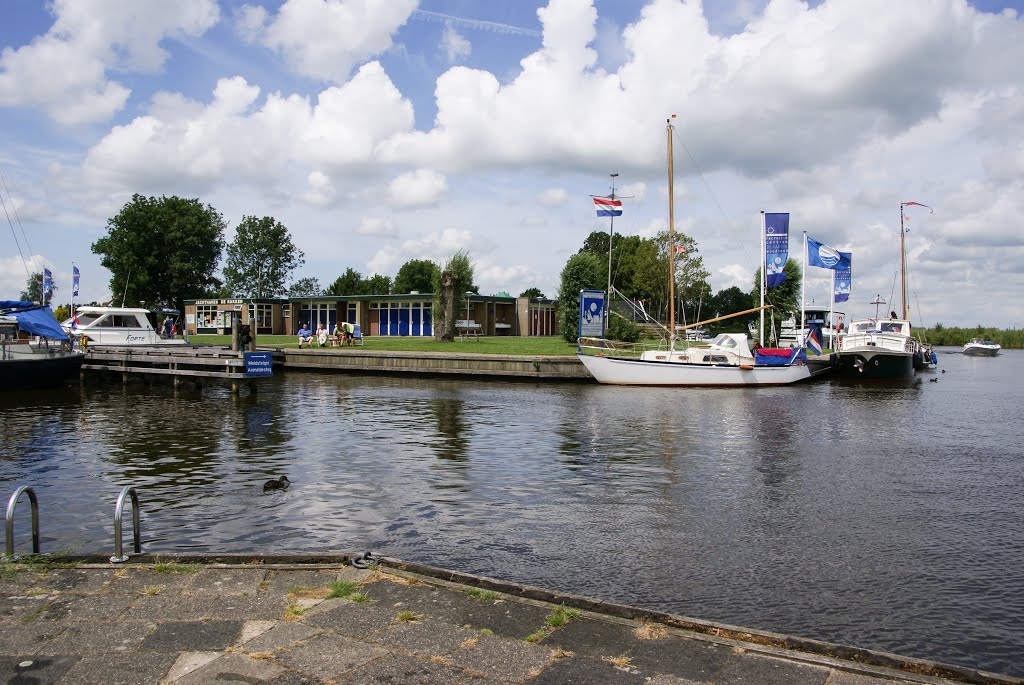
[(889, 517)]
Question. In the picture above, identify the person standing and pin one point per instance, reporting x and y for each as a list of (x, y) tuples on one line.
[(349, 330)]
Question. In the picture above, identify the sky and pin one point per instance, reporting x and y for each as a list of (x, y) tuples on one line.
[(379, 131)]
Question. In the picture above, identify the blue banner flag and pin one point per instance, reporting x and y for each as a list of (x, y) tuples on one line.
[(74, 281), (47, 282), (776, 248), (823, 256), (591, 320), (843, 278)]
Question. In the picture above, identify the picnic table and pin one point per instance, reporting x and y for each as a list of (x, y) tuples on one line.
[(467, 328)]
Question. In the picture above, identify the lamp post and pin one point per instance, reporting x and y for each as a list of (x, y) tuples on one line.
[(468, 294)]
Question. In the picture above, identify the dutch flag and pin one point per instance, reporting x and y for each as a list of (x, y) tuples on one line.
[(813, 343), (606, 207)]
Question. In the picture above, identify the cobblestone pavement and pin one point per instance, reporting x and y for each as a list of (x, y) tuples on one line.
[(193, 624)]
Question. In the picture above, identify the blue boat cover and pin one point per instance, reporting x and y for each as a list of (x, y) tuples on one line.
[(35, 319)]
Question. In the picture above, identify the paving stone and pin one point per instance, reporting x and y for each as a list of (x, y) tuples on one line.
[(253, 629), (293, 678), (260, 606), (329, 656), (79, 580), (751, 668), (502, 617), (119, 669), (593, 637), (585, 670), (402, 669), (426, 638), (188, 662), (33, 670), (281, 582), (502, 658), (233, 668), (281, 635), (221, 581), (27, 638), (90, 608), (662, 679), (685, 658), (96, 637), (356, 619), (193, 636), (133, 581), (844, 678)]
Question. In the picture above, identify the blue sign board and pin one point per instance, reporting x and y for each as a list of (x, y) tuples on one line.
[(259, 364), (592, 313)]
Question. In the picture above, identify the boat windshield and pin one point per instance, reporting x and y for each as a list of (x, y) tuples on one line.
[(724, 341)]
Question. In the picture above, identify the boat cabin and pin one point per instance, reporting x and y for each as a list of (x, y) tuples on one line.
[(116, 326)]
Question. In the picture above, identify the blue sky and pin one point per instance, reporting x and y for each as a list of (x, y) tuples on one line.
[(379, 132)]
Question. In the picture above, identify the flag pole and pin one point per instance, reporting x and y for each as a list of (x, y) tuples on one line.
[(611, 230), (831, 310), (671, 244), (763, 281), (803, 296)]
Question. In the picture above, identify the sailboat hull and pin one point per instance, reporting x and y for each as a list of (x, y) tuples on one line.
[(629, 371)]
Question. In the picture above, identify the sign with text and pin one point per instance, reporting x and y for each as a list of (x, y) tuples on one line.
[(259, 364), (592, 313)]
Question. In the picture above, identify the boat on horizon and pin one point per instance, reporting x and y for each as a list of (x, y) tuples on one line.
[(34, 350), (979, 347)]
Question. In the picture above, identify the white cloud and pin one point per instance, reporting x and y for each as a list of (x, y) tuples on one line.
[(420, 188), (454, 45), (65, 71), (320, 192), (376, 226), (553, 197), (325, 39)]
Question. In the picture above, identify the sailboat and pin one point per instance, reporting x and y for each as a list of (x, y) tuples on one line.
[(34, 350), (879, 349), (726, 361)]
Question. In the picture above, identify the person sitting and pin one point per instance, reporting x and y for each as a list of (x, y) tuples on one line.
[(305, 335), (349, 330), (321, 336), (338, 336)]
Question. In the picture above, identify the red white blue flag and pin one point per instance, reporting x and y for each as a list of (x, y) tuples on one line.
[(606, 207)]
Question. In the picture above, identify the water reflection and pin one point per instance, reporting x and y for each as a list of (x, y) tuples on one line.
[(886, 516)]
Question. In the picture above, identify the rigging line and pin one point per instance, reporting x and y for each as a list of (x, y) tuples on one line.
[(11, 224), (714, 199)]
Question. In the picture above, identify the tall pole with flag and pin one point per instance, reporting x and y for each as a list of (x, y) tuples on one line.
[(74, 293), (610, 207), (671, 241)]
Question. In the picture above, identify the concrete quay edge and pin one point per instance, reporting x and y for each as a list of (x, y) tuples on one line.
[(871, 664)]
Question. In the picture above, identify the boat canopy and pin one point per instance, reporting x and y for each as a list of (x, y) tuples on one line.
[(34, 319)]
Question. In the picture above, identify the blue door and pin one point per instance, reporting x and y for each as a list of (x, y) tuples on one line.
[(426, 322), (393, 322), (416, 322), (403, 321)]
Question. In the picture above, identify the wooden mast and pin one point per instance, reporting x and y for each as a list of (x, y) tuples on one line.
[(903, 270), (671, 244)]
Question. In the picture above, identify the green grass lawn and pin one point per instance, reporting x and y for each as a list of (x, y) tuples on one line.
[(487, 345)]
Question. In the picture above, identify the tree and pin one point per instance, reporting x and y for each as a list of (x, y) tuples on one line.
[(349, 283), (533, 294), (261, 258), (785, 297), (305, 287), (379, 285), (162, 250), (33, 291), (583, 271), (730, 301), (416, 275), (451, 282)]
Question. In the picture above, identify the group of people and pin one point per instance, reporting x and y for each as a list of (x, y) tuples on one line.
[(344, 334), (169, 328)]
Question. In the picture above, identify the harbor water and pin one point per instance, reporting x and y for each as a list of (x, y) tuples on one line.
[(884, 516)]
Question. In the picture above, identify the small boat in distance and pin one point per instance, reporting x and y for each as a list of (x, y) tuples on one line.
[(979, 347), (116, 326), (45, 361)]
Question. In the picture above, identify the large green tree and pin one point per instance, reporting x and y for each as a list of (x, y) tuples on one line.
[(33, 291), (307, 286), (416, 275), (784, 298), (378, 285), (349, 283), (533, 294), (455, 279), (730, 301), (162, 251), (261, 258), (583, 271)]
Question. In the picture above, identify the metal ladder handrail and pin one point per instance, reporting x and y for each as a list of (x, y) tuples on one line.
[(119, 554), (9, 520)]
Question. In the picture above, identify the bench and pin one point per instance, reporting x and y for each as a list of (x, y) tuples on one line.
[(467, 329)]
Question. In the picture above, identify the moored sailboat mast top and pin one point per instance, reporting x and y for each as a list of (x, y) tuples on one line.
[(671, 242), (905, 311)]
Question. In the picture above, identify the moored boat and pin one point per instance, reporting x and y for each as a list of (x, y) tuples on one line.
[(94, 325), (877, 350), (34, 350), (979, 347)]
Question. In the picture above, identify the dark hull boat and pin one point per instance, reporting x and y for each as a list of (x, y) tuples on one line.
[(45, 361)]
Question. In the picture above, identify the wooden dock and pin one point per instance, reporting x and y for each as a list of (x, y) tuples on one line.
[(182, 362)]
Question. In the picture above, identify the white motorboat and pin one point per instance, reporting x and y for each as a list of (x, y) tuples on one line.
[(727, 361), (979, 347), (93, 325)]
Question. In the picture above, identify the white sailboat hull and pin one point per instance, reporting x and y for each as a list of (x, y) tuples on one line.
[(628, 371)]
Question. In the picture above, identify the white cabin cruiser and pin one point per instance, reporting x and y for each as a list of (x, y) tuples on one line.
[(979, 347), (116, 326)]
